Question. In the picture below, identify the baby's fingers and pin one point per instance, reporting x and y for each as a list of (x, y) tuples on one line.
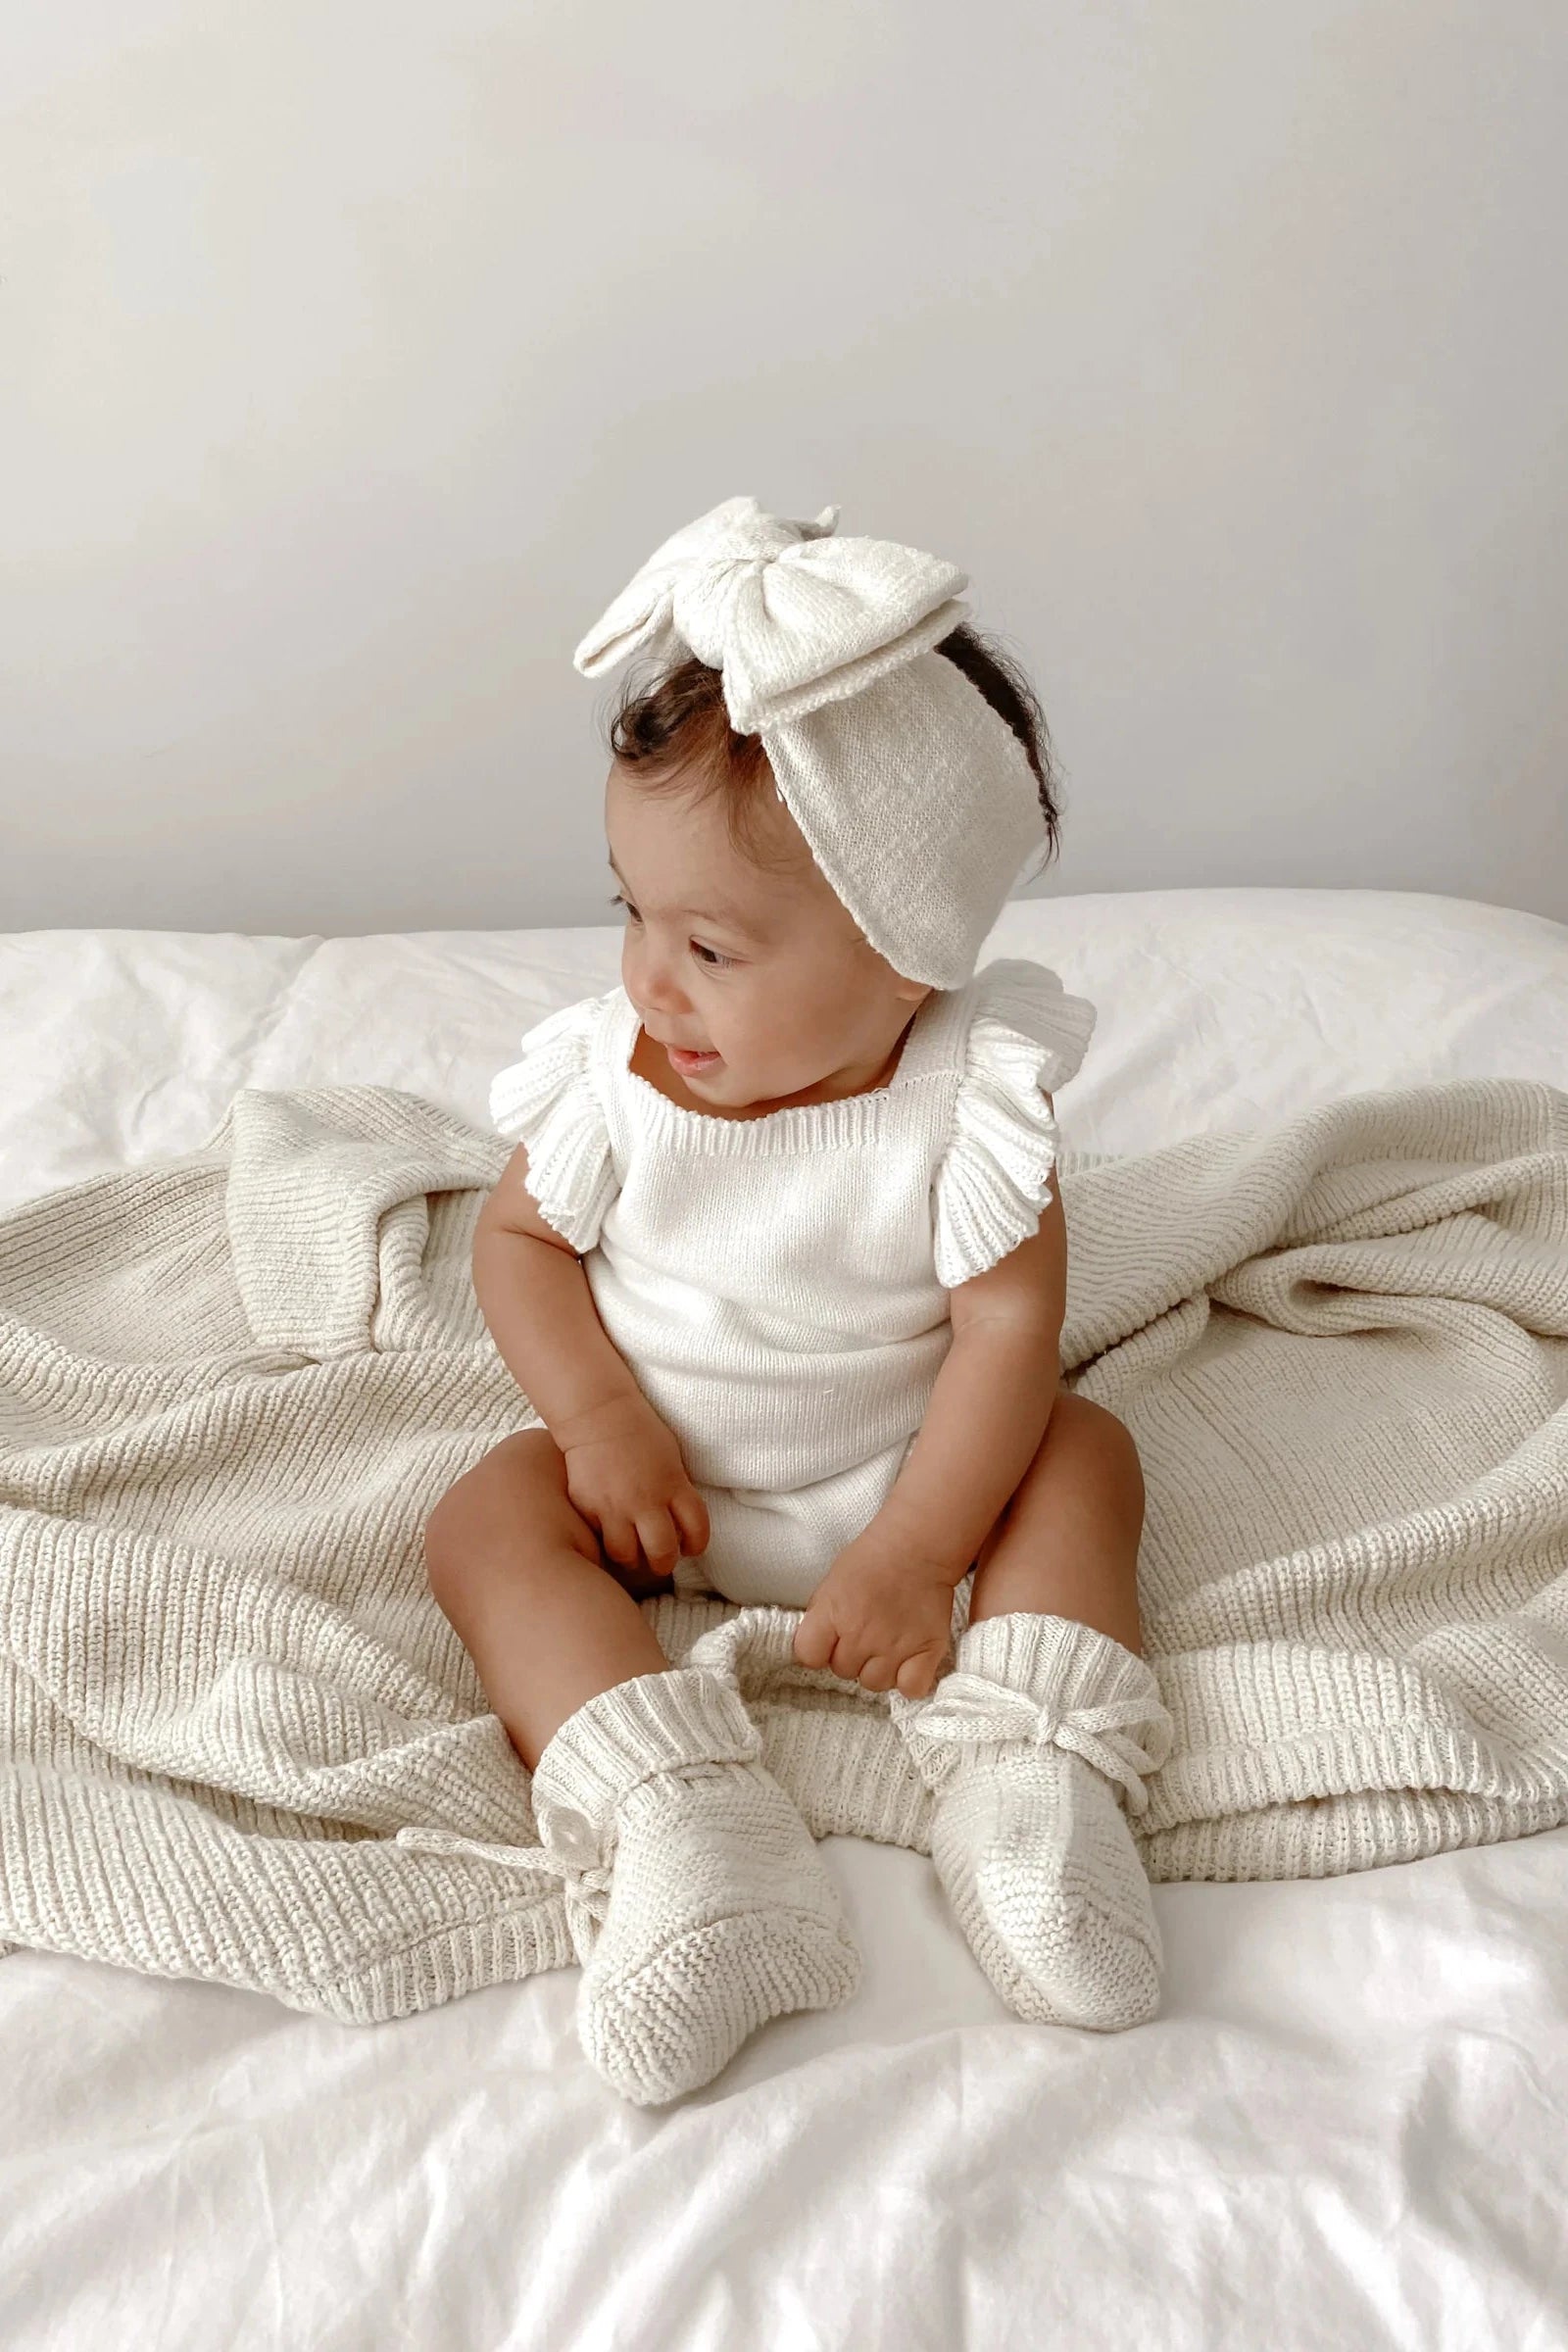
[(919, 1675), (660, 1544), (619, 1539), (690, 1513), (815, 1636)]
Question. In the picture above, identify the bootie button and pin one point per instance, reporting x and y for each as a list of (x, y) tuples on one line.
[(568, 1835)]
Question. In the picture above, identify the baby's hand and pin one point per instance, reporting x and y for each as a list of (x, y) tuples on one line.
[(879, 1618), (625, 1475)]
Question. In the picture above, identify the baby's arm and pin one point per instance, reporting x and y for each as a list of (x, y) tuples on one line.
[(534, 1296), (624, 1470), (990, 1404), (882, 1614)]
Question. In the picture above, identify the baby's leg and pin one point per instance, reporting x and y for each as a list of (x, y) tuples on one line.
[(1066, 1545), (516, 1570), (1030, 1835), (720, 1914)]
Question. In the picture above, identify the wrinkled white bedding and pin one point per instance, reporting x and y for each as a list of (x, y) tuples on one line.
[(1347, 2129)]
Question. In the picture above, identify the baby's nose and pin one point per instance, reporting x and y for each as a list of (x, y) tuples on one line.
[(656, 991)]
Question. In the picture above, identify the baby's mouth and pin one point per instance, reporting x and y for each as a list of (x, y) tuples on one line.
[(687, 1063)]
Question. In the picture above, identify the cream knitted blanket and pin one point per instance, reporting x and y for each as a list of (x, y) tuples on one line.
[(234, 1386)]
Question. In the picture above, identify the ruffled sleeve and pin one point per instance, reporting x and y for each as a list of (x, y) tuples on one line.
[(1027, 1038), (548, 1102)]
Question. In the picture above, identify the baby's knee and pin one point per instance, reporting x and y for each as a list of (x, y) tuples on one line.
[(1102, 1435), (496, 1512)]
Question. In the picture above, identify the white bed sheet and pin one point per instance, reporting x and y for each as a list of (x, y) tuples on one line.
[(1347, 2128)]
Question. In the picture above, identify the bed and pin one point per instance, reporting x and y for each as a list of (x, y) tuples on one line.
[(1348, 2125)]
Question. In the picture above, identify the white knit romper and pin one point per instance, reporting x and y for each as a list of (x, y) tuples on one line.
[(779, 1286)]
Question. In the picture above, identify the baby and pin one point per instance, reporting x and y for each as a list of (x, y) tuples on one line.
[(779, 1267)]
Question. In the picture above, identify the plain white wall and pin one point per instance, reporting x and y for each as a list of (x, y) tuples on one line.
[(354, 352)]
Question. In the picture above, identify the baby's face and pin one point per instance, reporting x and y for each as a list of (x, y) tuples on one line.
[(761, 969)]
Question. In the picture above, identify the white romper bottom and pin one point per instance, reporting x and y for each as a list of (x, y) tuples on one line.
[(779, 1286)]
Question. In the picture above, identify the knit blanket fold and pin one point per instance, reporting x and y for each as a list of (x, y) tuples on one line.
[(234, 1386)]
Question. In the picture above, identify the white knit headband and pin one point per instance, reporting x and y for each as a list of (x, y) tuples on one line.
[(914, 796)]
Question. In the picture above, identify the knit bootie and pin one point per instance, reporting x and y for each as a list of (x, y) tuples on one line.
[(1026, 1746), (698, 1902)]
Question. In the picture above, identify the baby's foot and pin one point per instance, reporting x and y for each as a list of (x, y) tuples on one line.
[(1028, 1835), (1044, 1881), (718, 1913)]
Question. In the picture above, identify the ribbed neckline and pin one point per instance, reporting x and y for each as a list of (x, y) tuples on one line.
[(848, 1118)]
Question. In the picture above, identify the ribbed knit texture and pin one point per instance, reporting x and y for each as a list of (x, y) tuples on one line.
[(697, 1900), (1030, 1746), (233, 1387), (778, 1285)]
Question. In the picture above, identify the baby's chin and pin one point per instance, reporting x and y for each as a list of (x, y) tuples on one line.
[(760, 1099), (732, 1088), (740, 1088)]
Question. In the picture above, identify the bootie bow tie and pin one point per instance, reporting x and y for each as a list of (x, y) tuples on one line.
[(969, 1710), (568, 1851)]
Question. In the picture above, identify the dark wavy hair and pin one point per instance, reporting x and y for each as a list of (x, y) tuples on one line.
[(675, 731)]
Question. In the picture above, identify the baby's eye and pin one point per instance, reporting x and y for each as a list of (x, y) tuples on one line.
[(710, 957)]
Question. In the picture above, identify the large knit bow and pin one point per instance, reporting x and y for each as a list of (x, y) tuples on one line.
[(791, 617), (970, 1709)]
